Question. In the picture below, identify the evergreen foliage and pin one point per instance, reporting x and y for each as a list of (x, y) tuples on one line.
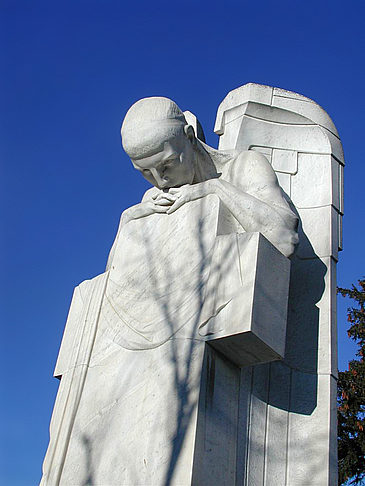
[(351, 395)]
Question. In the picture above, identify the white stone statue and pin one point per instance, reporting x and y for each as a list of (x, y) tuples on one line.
[(143, 398), (165, 149)]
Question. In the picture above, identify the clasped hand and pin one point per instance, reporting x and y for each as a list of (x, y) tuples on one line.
[(168, 202)]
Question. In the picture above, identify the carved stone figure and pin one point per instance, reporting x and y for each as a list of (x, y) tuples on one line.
[(161, 381), (165, 149)]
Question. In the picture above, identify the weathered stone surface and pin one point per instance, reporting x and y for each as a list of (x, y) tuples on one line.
[(305, 423), (251, 328), (193, 359), (144, 382)]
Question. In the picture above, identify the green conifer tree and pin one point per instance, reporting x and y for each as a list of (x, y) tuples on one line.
[(351, 395)]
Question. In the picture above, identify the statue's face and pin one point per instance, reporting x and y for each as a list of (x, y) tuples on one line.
[(169, 165)]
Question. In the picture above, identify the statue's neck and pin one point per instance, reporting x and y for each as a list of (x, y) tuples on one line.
[(209, 162)]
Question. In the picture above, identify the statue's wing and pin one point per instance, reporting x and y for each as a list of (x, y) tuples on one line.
[(289, 407), (195, 123), (303, 147)]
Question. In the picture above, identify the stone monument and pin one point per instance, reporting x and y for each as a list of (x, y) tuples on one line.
[(206, 352)]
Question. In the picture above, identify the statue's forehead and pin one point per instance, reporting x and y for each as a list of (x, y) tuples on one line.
[(162, 154), (148, 141), (149, 145)]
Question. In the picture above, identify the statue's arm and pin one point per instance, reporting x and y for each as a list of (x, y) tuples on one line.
[(255, 199), (252, 194)]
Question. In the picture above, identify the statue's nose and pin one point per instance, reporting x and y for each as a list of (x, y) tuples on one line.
[(158, 178)]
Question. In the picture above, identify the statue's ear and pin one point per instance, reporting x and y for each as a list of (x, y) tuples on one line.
[(194, 122), (189, 132)]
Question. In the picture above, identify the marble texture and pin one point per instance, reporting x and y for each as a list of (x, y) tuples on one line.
[(203, 355), (289, 408), (119, 383)]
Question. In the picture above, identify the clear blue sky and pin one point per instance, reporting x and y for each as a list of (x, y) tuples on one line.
[(69, 72)]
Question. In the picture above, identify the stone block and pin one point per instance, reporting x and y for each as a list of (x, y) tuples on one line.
[(277, 424), (251, 328), (243, 429), (312, 185), (284, 182), (248, 132), (274, 114), (217, 422), (285, 161), (258, 414), (318, 235), (340, 237), (304, 106), (341, 184), (249, 92), (309, 462), (291, 95)]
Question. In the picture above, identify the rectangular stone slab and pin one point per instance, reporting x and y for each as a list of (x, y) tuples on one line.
[(251, 328)]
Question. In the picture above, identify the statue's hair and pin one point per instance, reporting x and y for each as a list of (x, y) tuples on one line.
[(148, 123)]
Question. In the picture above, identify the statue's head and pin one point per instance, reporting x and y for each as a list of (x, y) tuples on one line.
[(159, 142)]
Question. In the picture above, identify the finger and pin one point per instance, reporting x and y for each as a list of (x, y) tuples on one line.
[(177, 204), (168, 197), (174, 190), (163, 202)]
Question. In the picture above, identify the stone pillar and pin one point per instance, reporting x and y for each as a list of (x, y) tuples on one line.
[(288, 409)]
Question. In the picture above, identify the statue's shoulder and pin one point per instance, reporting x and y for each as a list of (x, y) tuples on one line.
[(149, 193), (251, 158), (251, 167)]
